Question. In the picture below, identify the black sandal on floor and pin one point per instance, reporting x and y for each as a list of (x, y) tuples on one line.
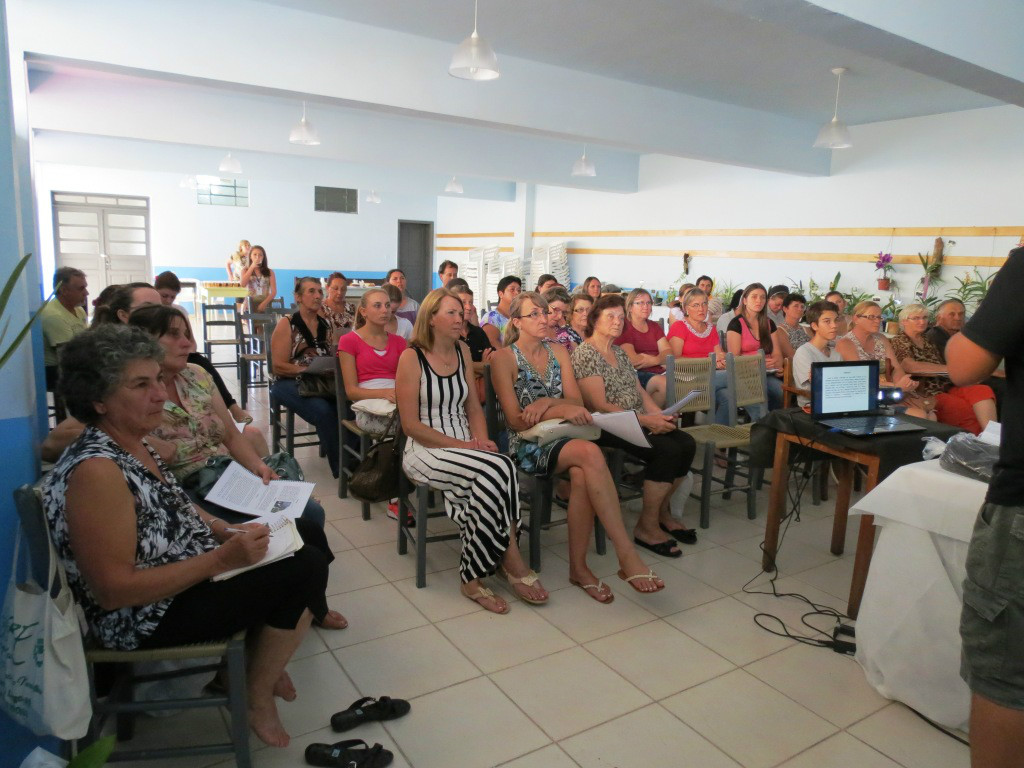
[(351, 753), (367, 710), (662, 548), (682, 535)]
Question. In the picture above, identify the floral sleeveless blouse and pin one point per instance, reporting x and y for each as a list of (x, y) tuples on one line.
[(169, 530), (195, 430)]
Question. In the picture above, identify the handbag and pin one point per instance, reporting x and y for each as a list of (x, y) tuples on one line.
[(557, 429), (44, 684), (316, 384), (376, 477), (201, 481)]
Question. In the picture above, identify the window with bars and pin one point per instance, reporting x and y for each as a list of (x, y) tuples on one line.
[(230, 192), (335, 200)]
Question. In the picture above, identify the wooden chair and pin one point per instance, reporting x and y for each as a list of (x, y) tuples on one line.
[(212, 319), (282, 418), (542, 489), (120, 701), (347, 427)]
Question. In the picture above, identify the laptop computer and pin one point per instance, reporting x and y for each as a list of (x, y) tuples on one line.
[(844, 396)]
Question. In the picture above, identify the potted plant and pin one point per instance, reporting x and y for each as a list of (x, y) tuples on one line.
[(884, 265)]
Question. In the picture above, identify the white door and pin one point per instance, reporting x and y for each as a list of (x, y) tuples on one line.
[(105, 236)]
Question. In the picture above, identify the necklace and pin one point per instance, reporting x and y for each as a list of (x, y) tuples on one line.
[(699, 334)]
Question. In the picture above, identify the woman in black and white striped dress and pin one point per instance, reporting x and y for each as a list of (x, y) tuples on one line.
[(448, 449)]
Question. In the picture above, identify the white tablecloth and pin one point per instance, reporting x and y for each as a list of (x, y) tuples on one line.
[(908, 639)]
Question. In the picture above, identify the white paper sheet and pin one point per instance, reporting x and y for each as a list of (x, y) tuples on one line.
[(681, 402), (284, 542), (240, 490), (992, 433), (624, 424)]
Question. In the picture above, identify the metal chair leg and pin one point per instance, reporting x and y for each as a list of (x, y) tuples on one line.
[(705, 486), (422, 508), (238, 703)]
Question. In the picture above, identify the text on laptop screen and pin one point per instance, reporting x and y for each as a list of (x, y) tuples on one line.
[(846, 388)]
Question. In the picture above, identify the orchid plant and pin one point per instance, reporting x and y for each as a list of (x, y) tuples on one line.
[(884, 265)]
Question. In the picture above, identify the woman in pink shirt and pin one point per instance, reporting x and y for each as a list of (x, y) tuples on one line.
[(695, 336), (645, 344), (369, 358)]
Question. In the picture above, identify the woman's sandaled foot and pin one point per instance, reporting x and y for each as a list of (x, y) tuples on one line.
[(595, 588), (266, 724), (679, 532), (646, 582), (527, 587), (284, 688), (331, 620), (665, 548), (484, 597)]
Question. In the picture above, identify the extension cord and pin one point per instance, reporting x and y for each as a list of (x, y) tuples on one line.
[(843, 646)]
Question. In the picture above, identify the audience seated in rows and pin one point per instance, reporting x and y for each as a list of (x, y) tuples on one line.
[(63, 317), (792, 334), (447, 271), (821, 317), (448, 449), (645, 344), (534, 382), (139, 555), (399, 325), (558, 301), (609, 384), (296, 340), (971, 407), (571, 335), (480, 349), (776, 298), (864, 341), (544, 282), (722, 326), (842, 322), (339, 314), (591, 287), (751, 331), (495, 320)]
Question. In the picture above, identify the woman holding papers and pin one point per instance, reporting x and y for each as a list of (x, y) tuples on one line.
[(139, 556), (296, 341), (196, 425), (448, 449), (534, 382), (609, 384), (696, 336)]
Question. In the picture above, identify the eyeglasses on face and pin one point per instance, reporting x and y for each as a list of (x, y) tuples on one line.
[(535, 315), (581, 311), (872, 318), (643, 303)]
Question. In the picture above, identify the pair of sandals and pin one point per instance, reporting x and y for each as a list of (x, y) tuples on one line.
[(356, 753), (485, 594)]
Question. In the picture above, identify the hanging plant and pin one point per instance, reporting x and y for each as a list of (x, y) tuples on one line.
[(931, 265)]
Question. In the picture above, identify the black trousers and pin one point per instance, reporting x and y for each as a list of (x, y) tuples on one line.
[(668, 458)]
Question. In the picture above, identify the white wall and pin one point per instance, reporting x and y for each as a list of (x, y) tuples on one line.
[(280, 217), (960, 169)]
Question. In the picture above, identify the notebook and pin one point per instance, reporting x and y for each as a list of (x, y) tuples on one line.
[(844, 397)]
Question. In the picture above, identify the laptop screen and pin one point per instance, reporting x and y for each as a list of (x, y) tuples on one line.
[(844, 388)]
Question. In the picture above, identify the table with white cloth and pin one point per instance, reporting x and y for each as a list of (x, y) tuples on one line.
[(908, 638)]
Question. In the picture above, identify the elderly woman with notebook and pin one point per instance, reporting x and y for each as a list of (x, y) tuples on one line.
[(140, 557)]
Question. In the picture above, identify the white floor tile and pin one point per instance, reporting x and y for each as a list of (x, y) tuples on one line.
[(551, 756), (811, 676), (395, 567), (752, 723), (583, 619), (727, 627), (470, 725), (648, 738), (349, 571), (372, 612), (792, 557), (840, 751), (681, 592), (834, 577), (323, 689), (405, 665), (569, 692), (721, 568), (377, 530), (440, 599), (659, 659), (900, 734), (494, 642)]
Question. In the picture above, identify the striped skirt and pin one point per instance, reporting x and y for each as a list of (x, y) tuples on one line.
[(481, 495)]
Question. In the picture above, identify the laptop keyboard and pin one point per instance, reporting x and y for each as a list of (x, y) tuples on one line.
[(864, 423)]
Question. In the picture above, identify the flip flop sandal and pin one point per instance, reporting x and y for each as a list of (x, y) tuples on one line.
[(649, 575), (599, 589), (367, 710), (351, 753), (528, 580)]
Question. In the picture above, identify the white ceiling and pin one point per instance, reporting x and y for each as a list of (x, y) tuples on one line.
[(707, 48)]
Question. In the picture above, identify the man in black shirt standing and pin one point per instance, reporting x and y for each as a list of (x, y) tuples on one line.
[(992, 623)]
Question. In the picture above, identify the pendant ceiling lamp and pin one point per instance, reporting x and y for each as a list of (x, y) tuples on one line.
[(304, 133), (373, 197), (834, 134), (474, 59), (229, 164), (454, 186), (584, 166)]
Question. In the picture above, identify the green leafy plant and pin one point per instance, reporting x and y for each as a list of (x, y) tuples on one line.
[(5, 297), (856, 296), (95, 755), (724, 291), (891, 309), (971, 289), (834, 285)]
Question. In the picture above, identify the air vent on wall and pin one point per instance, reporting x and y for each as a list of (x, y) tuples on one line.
[(336, 200)]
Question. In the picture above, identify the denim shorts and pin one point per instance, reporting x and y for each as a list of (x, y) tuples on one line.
[(992, 622)]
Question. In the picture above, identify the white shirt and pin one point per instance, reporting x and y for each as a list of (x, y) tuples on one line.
[(802, 360)]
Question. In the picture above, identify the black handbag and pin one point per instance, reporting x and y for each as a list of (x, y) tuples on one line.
[(315, 384), (376, 478)]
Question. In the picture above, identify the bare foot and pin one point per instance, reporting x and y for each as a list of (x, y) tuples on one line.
[(332, 620), (266, 724), (284, 688), (484, 597)]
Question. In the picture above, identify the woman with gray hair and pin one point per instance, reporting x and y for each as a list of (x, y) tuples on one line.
[(139, 556)]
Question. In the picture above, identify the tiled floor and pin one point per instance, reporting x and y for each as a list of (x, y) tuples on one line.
[(681, 678)]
